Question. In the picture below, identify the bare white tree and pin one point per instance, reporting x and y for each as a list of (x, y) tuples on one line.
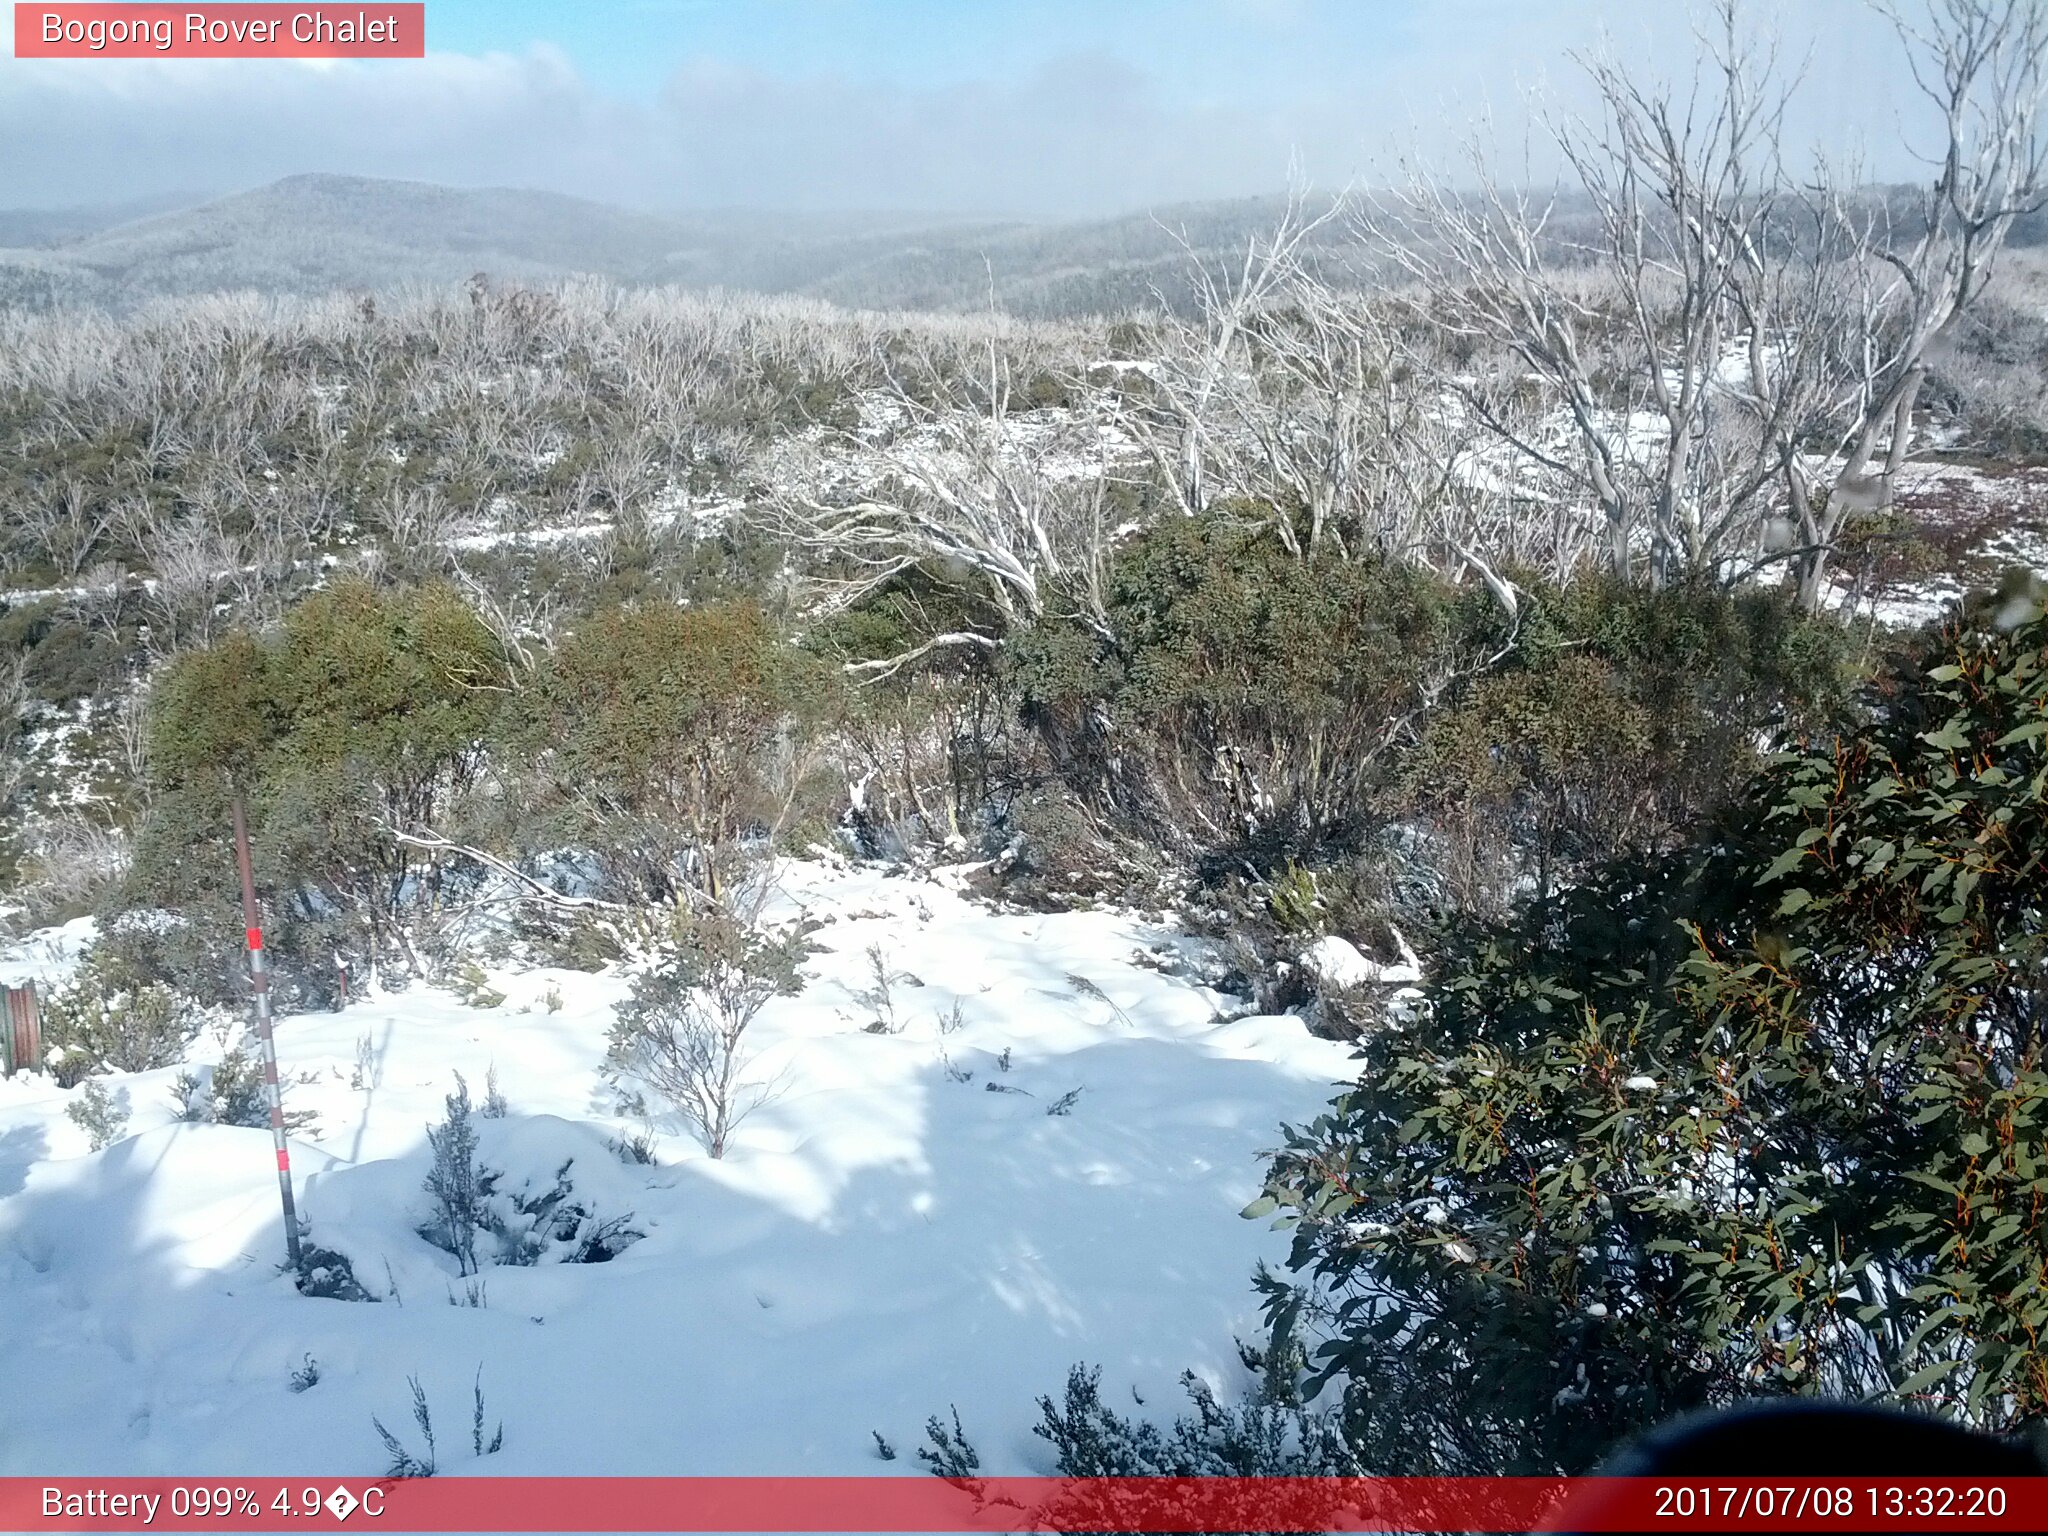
[(1982, 65), (1722, 316), (1205, 356), (1627, 323), (961, 488)]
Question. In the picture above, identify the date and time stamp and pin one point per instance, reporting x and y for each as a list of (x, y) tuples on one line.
[(1985, 1504)]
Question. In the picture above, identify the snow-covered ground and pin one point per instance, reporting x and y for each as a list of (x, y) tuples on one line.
[(902, 1227)]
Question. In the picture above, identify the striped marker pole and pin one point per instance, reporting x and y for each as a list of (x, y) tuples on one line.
[(259, 983)]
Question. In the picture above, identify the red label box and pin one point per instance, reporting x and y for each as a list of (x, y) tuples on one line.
[(371, 30)]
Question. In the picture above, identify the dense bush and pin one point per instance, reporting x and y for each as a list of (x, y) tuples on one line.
[(1621, 717), (1246, 706), (63, 660), (669, 733), (1242, 699), (368, 714), (1763, 1115), (110, 1016)]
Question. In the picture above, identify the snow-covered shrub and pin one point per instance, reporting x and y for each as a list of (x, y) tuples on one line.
[(323, 1272), (305, 1375), (495, 1105), (636, 1148), (683, 1031), (108, 1018), (481, 1218), (553, 1224), (231, 1093), (458, 1185), (103, 1116)]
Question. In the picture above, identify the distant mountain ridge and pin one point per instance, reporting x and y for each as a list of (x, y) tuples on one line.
[(318, 233), (315, 234)]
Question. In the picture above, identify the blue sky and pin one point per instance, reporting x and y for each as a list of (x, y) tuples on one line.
[(1041, 108)]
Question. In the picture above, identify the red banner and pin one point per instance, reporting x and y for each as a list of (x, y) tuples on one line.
[(214, 31), (922, 1503)]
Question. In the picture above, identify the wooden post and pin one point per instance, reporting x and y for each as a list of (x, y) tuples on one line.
[(259, 983), (21, 1036)]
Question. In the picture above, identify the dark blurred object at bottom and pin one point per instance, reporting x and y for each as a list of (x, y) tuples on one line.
[(1799, 1438)]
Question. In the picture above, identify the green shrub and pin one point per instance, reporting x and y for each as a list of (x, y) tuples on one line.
[(1621, 717), (103, 1116), (1761, 1115), (1248, 707), (63, 660), (672, 732), (368, 712), (1242, 700), (110, 1018), (1294, 900)]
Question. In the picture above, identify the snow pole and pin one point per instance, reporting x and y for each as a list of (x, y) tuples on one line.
[(259, 984)]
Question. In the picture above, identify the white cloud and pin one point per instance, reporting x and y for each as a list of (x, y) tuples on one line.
[(1068, 133)]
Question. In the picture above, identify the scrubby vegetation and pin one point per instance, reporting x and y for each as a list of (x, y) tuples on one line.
[(1536, 665), (1761, 1115)]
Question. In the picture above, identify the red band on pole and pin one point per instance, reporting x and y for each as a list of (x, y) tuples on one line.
[(284, 1161), (255, 938)]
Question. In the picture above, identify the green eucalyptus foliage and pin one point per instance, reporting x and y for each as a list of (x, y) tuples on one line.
[(1762, 1115)]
